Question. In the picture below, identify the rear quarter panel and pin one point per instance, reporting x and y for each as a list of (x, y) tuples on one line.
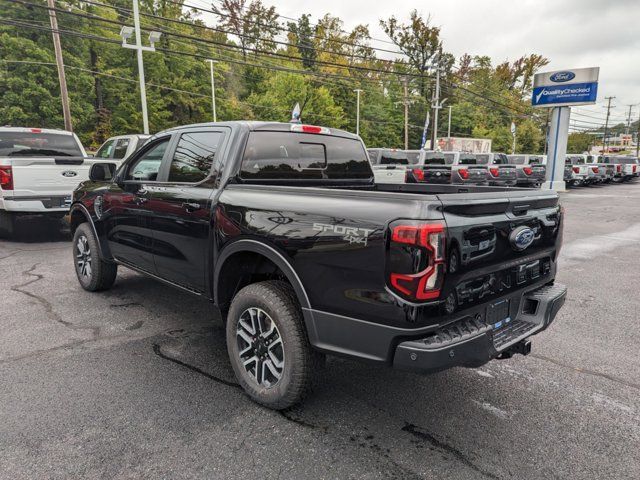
[(334, 239)]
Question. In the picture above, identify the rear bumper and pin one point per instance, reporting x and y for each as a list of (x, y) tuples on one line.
[(503, 183), (36, 204), (529, 181), (470, 343)]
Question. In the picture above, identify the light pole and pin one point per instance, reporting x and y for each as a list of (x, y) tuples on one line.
[(449, 127), (513, 132), (358, 91), (213, 90), (126, 33)]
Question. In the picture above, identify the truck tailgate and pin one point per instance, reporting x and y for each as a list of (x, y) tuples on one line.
[(496, 244), (47, 175)]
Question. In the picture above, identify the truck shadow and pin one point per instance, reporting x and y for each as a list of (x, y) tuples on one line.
[(435, 420), (39, 229)]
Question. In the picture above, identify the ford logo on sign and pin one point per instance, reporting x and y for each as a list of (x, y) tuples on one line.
[(561, 77), (521, 238), (69, 173)]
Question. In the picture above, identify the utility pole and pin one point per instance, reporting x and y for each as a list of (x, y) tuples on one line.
[(126, 33), (358, 91), (436, 104), (629, 119), (143, 88), (405, 89), (213, 90), (449, 127), (64, 95), (605, 148)]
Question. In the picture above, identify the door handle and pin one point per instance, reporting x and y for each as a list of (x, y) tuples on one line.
[(191, 206)]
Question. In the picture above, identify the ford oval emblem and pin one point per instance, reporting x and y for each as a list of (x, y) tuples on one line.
[(69, 173), (521, 238), (561, 77)]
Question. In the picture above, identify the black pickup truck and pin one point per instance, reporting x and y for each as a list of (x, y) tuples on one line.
[(282, 227)]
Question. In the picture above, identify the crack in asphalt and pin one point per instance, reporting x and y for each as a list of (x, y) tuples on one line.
[(423, 434), (291, 416), (587, 371), (158, 351), (46, 304), (20, 250)]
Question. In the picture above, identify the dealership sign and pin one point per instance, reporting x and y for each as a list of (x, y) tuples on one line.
[(565, 87)]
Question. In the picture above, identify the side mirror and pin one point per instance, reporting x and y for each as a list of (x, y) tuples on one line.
[(102, 172)]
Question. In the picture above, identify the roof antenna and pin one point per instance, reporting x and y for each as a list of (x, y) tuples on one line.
[(295, 114)]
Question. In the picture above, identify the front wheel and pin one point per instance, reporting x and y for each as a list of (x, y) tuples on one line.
[(94, 274), (268, 346)]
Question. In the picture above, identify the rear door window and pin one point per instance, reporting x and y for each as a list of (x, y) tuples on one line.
[(35, 144), (106, 149), (120, 149), (194, 156), (300, 156)]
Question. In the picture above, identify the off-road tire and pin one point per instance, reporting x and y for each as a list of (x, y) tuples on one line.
[(301, 362), (101, 274)]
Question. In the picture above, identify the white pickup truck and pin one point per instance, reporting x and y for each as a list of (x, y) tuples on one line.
[(39, 169)]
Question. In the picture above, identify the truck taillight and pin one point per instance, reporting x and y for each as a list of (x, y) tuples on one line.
[(464, 173), (416, 263), (635, 168), (418, 174), (619, 168), (6, 177), (595, 169), (576, 169), (310, 129), (495, 171), (527, 170)]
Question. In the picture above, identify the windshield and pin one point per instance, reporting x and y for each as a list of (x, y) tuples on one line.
[(33, 144), (517, 159), (500, 159), (467, 159), (535, 160), (397, 157), (434, 158)]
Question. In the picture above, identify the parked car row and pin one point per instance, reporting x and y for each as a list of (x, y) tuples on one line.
[(40, 168), (457, 168), (495, 169), (582, 170)]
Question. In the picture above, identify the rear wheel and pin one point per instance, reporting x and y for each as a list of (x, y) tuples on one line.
[(268, 346), (94, 274)]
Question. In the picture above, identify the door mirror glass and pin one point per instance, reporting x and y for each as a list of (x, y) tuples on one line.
[(102, 172)]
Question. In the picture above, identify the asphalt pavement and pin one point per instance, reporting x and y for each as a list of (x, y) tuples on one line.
[(135, 382)]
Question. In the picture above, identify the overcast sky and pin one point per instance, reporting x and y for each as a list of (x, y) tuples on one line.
[(570, 33)]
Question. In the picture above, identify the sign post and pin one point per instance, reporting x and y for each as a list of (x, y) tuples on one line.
[(560, 90)]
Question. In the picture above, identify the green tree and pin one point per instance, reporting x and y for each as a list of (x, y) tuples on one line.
[(302, 36), (253, 25), (529, 137), (579, 142), (418, 40)]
